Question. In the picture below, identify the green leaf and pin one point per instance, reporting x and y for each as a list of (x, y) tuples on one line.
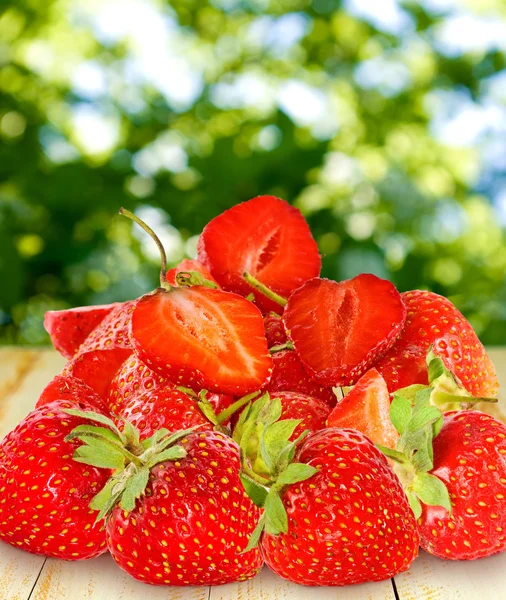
[(277, 519), (96, 417), (436, 426), (409, 393), (172, 453), (255, 536), (415, 505), (271, 412), (82, 431), (423, 397), (133, 489), (431, 490), (422, 459), (131, 433), (155, 438), (400, 412), (275, 438), (99, 454), (257, 492), (435, 366), (395, 455), (208, 411), (423, 417), (294, 473)]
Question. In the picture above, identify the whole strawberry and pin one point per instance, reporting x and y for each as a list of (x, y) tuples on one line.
[(274, 330), (44, 493), (470, 459), (434, 321), (71, 389)]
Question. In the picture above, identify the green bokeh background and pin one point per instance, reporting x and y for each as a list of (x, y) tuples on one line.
[(384, 122)]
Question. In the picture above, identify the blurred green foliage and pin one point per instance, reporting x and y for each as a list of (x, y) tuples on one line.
[(383, 122)]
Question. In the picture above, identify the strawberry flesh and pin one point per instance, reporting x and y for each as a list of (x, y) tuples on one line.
[(367, 408), (339, 329), (202, 338), (69, 328), (266, 237)]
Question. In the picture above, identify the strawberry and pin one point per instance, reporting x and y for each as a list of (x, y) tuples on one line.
[(312, 412), (177, 514), (274, 330), (339, 330), (166, 407), (104, 350), (469, 457), (185, 266), (334, 511), (71, 389), (434, 321), (367, 408), (69, 328), (289, 375), (217, 339), (44, 494), (266, 237)]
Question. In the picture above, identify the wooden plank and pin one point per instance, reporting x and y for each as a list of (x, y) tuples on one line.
[(102, 579), (268, 586), (35, 368), (431, 578), (18, 572)]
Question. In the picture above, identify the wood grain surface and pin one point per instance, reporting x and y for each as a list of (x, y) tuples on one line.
[(24, 374)]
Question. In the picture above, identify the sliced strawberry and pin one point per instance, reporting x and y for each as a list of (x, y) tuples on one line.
[(266, 237), (69, 328), (339, 329), (168, 408), (433, 320), (367, 408), (289, 375), (188, 265), (274, 330), (202, 338), (72, 389)]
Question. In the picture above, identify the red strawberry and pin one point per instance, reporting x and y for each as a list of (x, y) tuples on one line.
[(168, 408), (44, 493), (216, 338), (71, 389), (312, 412), (434, 320), (104, 350), (189, 520), (367, 408), (274, 330), (289, 375), (339, 329), (469, 457), (350, 522), (133, 378), (187, 265), (69, 328), (266, 237)]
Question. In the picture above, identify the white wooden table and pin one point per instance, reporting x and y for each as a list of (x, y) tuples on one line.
[(23, 375)]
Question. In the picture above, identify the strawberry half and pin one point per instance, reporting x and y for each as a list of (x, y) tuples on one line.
[(266, 237), (367, 408), (44, 493), (433, 320), (71, 389), (339, 329), (69, 328)]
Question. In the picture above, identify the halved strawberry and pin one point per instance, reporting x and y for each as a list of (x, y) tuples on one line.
[(72, 389), (69, 328), (201, 337), (367, 408), (339, 329), (266, 237), (289, 375), (187, 265)]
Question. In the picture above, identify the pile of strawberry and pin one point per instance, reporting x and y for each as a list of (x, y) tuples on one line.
[(209, 426)]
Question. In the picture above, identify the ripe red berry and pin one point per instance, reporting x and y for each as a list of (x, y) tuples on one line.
[(71, 389)]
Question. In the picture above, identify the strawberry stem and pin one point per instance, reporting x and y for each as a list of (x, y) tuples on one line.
[(278, 348), (263, 289), (230, 410), (155, 238)]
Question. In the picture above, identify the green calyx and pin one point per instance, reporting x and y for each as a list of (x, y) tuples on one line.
[(122, 451), (191, 278), (267, 465)]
